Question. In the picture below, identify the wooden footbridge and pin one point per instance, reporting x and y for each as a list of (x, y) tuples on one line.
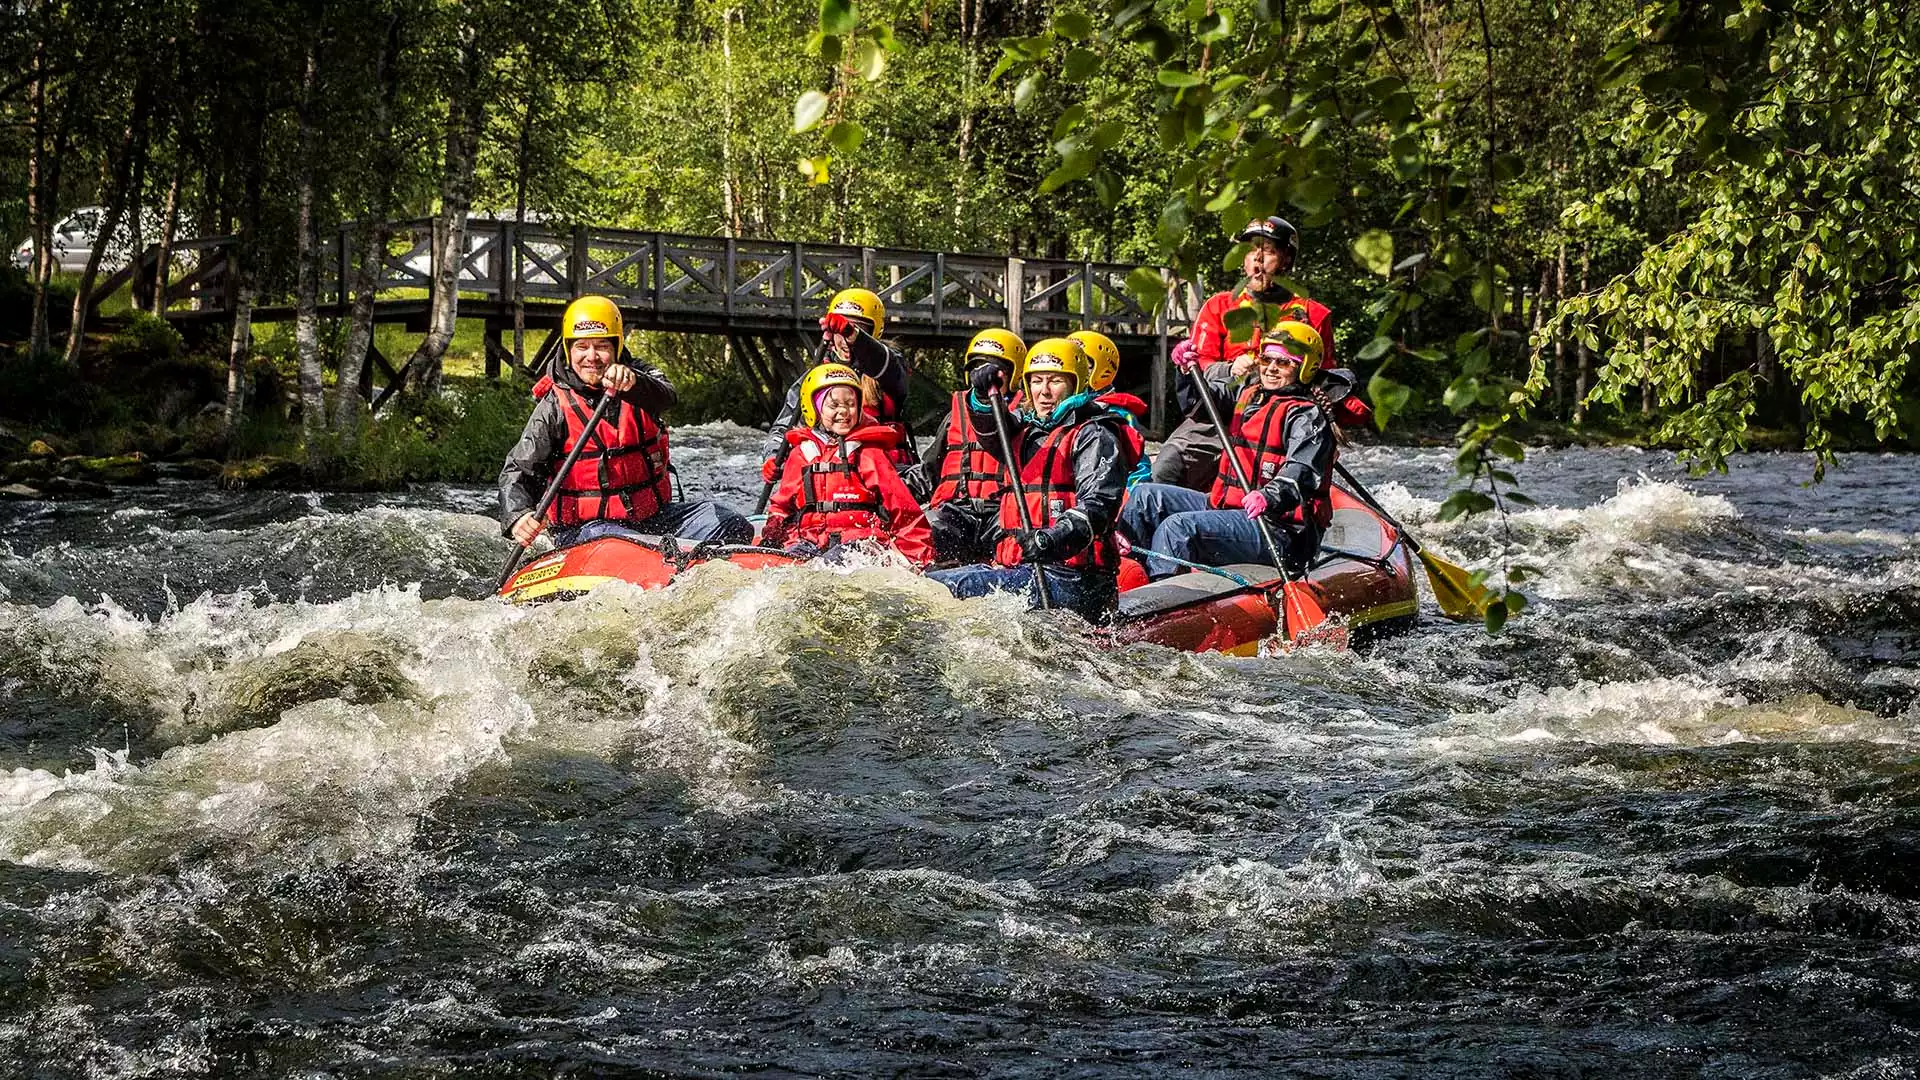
[(765, 297)]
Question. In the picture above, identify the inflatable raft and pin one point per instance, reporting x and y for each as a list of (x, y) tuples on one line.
[(648, 562), (1363, 577)]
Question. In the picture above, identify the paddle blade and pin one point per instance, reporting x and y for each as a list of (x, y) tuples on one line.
[(1300, 606), (1460, 599)]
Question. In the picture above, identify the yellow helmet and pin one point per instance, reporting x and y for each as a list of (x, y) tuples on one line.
[(592, 317), (996, 344), (860, 304), (1102, 353), (821, 378), (1059, 354), (1298, 340)]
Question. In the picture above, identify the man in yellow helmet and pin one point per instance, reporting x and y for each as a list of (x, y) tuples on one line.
[(622, 482), (963, 507), (1073, 463), (851, 332)]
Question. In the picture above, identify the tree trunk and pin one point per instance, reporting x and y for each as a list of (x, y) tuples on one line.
[(1559, 340), (306, 288), (117, 187), (1584, 380), (169, 223), (240, 343), (243, 264), (466, 111), (372, 239), (39, 197), (512, 255), (1535, 359)]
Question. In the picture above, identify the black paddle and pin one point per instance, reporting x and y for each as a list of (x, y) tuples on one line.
[(1010, 461), (553, 488), (1307, 611)]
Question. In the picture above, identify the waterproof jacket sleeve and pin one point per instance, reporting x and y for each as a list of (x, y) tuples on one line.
[(936, 450), (530, 463), (906, 522), (880, 361), (782, 505), (783, 421), (1310, 447)]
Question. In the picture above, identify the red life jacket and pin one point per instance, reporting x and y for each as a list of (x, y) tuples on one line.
[(968, 472), (835, 503), (1258, 436), (1121, 402), (622, 474), (1047, 477)]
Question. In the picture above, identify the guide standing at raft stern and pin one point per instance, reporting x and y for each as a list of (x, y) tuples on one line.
[(1072, 461), (851, 331), (1191, 453), (621, 484)]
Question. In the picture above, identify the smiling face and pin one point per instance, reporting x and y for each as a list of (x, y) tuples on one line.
[(591, 357), (1045, 389), (1277, 368), (839, 409)]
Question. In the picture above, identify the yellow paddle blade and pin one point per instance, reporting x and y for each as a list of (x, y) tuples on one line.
[(1454, 590)]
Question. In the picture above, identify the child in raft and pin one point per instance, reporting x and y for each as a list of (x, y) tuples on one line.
[(838, 487)]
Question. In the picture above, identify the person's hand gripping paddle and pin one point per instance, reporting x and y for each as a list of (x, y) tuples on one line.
[(1300, 611), (607, 398)]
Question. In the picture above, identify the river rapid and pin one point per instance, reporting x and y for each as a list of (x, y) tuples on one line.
[(281, 795)]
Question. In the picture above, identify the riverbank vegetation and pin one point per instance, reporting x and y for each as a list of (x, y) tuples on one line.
[(1678, 223)]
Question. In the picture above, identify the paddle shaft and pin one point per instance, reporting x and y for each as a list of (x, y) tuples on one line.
[(1240, 473), (1010, 461), (766, 489), (607, 398)]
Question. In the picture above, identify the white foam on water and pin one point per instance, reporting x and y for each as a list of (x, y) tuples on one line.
[(1687, 710)]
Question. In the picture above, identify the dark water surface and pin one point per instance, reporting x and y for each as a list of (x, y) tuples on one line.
[(278, 797)]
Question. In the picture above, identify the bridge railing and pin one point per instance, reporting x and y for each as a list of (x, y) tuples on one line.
[(712, 281)]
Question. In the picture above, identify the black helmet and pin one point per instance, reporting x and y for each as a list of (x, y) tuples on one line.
[(1276, 229)]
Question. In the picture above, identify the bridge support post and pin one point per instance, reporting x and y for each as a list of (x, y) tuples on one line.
[(1016, 294)]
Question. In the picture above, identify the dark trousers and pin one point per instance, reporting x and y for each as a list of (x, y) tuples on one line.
[(1190, 456), (1091, 595), (686, 520)]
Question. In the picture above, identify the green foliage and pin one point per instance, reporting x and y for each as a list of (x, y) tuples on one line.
[(461, 436)]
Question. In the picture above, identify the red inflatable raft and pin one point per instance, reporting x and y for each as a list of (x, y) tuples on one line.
[(1363, 578), (649, 563)]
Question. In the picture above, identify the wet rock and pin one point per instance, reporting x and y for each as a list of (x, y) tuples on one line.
[(56, 487), (262, 472), (39, 448), (11, 441), (120, 469), (191, 469), (28, 471), (358, 668)]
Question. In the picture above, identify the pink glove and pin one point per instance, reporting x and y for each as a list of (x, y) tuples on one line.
[(1121, 542), (1184, 356), (1255, 504)]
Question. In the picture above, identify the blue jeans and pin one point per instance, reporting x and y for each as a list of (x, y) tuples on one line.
[(1177, 521), (1090, 595), (686, 520)]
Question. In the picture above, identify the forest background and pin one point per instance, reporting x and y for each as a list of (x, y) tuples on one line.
[(1679, 223)]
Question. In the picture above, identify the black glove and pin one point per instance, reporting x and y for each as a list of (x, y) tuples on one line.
[(1042, 545), (803, 550), (987, 378)]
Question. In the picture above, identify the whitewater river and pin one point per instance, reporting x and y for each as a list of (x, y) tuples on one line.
[(281, 796)]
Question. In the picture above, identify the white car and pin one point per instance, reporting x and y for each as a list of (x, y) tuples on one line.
[(74, 234)]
